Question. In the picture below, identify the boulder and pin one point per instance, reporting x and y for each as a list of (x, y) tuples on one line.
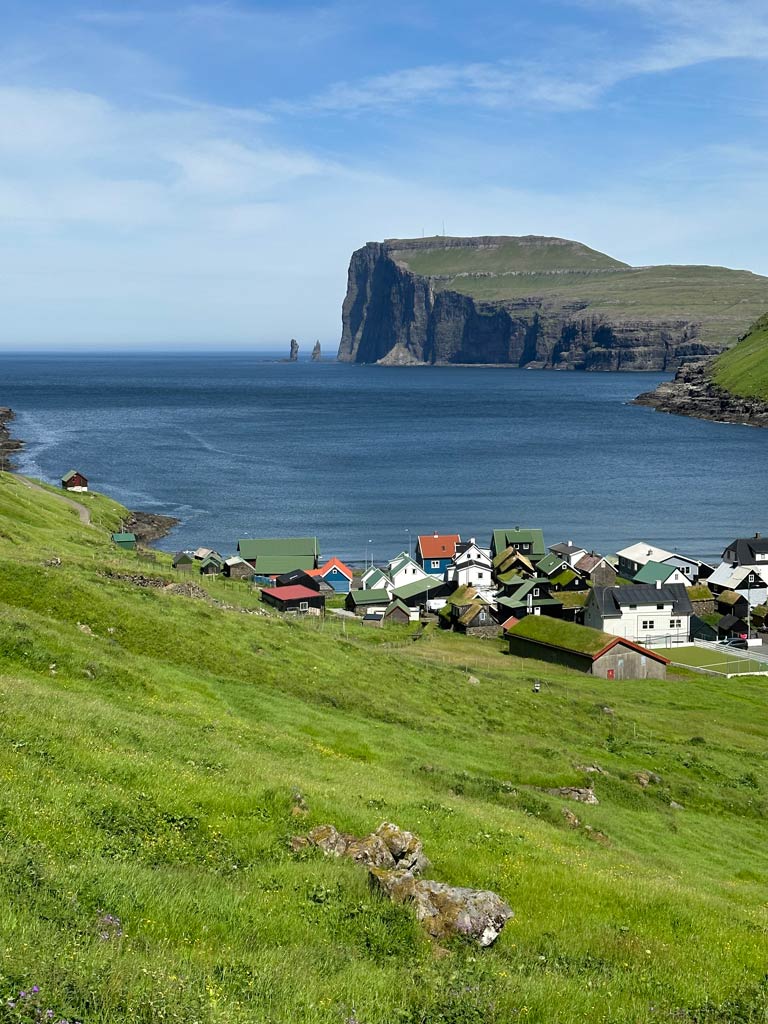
[(446, 910), (406, 848), (583, 796)]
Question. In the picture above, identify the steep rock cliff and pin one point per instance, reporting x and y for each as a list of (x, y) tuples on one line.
[(534, 302)]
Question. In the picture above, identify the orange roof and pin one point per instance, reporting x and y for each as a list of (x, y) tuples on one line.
[(510, 622), (332, 563), (438, 545)]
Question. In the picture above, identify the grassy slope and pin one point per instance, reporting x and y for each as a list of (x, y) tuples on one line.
[(149, 774), (726, 301), (743, 370)]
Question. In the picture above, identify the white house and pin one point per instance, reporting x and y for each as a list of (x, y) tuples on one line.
[(404, 569), (568, 551), (652, 615), (636, 555), (376, 579), (749, 580), (747, 551), (472, 566), (692, 568)]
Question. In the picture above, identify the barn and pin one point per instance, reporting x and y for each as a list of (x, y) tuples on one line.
[(583, 648)]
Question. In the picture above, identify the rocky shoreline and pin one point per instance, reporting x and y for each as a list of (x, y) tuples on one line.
[(149, 526), (693, 392), (9, 445)]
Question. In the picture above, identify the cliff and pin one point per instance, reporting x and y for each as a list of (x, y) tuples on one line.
[(536, 302), (9, 445)]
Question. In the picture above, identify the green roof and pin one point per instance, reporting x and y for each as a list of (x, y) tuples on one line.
[(565, 635), (471, 612), (508, 578), (304, 548), (69, 475), (123, 537), (514, 538), (538, 602), (418, 587), (377, 576), (397, 603), (462, 595), (525, 588), (729, 597), (573, 598), (550, 563), (369, 597), (276, 565), (654, 572), (563, 578), (700, 592)]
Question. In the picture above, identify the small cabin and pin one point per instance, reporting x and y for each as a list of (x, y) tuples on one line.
[(296, 600), (74, 481), (126, 541), (183, 561)]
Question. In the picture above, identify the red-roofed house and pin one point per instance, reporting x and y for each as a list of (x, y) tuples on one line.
[(296, 599), (336, 574), (435, 551)]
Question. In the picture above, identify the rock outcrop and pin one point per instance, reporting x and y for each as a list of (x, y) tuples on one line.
[(294, 353), (693, 392), (9, 446), (317, 352), (394, 858), (557, 318)]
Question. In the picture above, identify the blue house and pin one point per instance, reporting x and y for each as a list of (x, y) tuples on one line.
[(435, 552), (336, 574)]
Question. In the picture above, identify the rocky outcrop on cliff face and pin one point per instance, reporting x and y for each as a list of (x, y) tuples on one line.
[(294, 353), (694, 393), (9, 446), (317, 352), (395, 316)]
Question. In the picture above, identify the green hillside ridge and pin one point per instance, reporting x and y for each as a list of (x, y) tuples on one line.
[(743, 369), (561, 271), (151, 744)]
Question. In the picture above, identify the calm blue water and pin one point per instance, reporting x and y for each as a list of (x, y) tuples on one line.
[(244, 445)]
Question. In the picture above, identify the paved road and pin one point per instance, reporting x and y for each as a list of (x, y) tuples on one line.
[(83, 512)]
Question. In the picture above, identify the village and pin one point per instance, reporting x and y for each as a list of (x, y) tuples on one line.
[(608, 614)]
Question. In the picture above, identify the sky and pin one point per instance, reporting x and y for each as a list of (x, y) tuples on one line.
[(196, 175)]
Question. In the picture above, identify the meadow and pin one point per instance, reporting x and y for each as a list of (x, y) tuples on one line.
[(743, 369), (153, 746)]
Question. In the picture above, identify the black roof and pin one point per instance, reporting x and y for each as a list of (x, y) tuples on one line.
[(297, 576), (744, 550), (610, 600), (564, 548), (729, 621)]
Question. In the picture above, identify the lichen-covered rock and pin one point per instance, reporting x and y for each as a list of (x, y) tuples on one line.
[(329, 840), (406, 848), (371, 851), (583, 796), (447, 910)]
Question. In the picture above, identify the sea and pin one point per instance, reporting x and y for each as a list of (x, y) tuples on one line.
[(366, 458)]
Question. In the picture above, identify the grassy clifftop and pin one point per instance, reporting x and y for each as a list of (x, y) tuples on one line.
[(743, 370), (151, 743)]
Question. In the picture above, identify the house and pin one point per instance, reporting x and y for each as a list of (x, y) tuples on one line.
[(527, 542), (367, 602), (397, 612), (751, 580), (551, 565), (297, 578), (466, 612), (472, 566), (74, 481), (403, 569), (732, 626), (532, 597), (127, 541), (568, 551), (376, 579), (747, 550), (336, 574), (654, 572), (511, 562), (436, 551), (200, 554), (272, 556), (587, 650), (567, 580), (729, 602), (212, 565), (597, 568), (236, 568), (296, 600), (183, 561), (641, 612), (428, 593), (634, 557), (693, 568)]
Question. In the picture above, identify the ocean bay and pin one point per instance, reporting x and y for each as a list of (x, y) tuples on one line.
[(366, 457)]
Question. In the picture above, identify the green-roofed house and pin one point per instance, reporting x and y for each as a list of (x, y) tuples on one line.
[(397, 612), (567, 580), (533, 597), (367, 602), (274, 556), (585, 649), (528, 542), (429, 593), (551, 564), (659, 572), (74, 481), (126, 541)]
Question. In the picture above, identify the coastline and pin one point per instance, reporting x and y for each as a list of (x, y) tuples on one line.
[(9, 445), (692, 392)]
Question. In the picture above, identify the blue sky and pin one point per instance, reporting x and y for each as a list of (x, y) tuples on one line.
[(197, 174)]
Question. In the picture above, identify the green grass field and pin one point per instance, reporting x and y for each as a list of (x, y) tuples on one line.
[(151, 745), (743, 369), (725, 301), (728, 664)]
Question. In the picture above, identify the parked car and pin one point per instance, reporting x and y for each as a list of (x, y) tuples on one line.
[(734, 641)]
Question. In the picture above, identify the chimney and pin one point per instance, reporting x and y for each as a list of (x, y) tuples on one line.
[(436, 534), (570, 543), (757, 536), (658, 584)]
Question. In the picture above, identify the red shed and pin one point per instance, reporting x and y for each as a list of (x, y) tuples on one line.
[(74, 481)]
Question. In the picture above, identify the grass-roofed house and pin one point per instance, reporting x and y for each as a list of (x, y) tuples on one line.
[(527, 541), (274, 556), (587, 650)]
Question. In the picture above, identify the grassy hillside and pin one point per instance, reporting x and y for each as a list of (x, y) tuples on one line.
[(725, 301), (743, 369), (151, 744)]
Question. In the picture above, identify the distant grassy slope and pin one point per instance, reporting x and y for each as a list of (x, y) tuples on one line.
[(725, 300), (743, 370), (150, 746)]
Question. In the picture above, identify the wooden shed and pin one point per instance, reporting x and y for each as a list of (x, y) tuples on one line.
[(74, 481), (127, 541), (183, 561), (583, 648), (298, 600)]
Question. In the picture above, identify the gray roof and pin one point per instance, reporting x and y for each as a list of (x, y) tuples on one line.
[(746, 550), (565, 548), (610, 600)]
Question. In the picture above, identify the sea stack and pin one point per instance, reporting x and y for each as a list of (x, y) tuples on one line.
[(316, 353), (294, 350)]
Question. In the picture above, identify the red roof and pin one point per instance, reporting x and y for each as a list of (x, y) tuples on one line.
[(635, 647), (510, 622), (290, 593), (438, 545), (332, 563)]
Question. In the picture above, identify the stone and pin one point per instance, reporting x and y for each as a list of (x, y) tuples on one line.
[(406, 848), (646, 778), (445, 910), (329, 840), (473, 681), (590, 769), (676, 806), (294, 353), (317, 352), (693, 392), (571, 818), (584, 795)]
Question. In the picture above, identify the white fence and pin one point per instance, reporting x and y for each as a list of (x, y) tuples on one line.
[(748, 654)]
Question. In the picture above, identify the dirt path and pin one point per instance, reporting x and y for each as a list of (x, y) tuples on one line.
[(83, 512)]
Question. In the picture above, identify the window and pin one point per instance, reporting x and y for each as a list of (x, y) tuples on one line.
[(303, 606), (659, 607), (535, 591), (675, 623), (633, 606), (435, 563), (649, 624)]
